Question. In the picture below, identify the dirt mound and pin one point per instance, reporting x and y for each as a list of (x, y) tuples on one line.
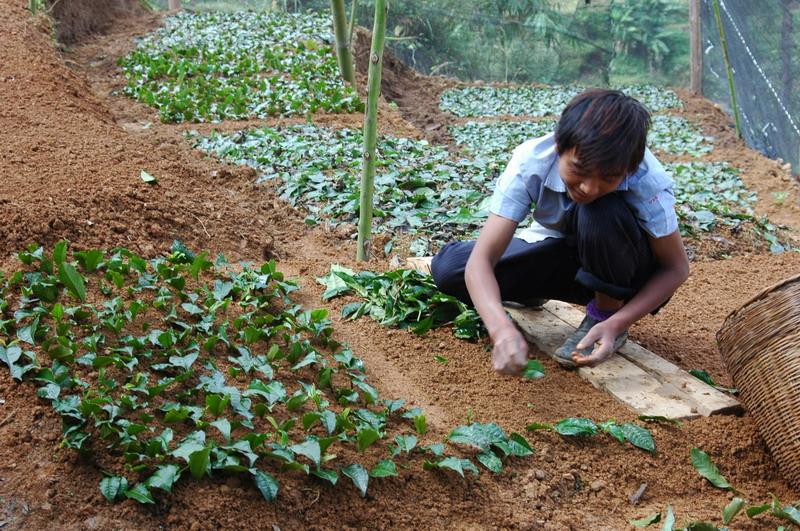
[(70, 171), (77, 19), (416, 95)]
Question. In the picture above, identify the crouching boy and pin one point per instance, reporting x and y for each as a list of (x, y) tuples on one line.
[(604, 233)]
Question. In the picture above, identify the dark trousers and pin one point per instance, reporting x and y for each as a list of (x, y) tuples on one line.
[(605, 251)]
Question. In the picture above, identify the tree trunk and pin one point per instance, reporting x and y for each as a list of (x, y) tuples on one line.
[(371, 131), (174, 5), (342, 42), (731, 86)]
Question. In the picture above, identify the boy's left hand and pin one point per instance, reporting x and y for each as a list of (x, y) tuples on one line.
[(604, 334)]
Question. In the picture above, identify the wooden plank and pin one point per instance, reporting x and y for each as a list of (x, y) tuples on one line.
[(636, 377), (420, 263), (619, 377), (708, 401)]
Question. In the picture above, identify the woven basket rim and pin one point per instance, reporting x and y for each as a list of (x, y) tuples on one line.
[(763, 293)]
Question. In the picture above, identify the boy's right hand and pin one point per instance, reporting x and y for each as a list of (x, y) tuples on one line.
[(510, 353)]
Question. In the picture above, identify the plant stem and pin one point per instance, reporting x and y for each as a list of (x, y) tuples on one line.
[(342, 43), (353, 9), (371, 130), (729, 70)]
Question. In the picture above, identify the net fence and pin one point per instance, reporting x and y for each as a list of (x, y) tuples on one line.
[(762, 46)]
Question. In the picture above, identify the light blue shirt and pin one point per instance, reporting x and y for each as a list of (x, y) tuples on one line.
[(531, 180)]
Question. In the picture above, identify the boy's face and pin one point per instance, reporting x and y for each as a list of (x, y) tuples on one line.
[(584, 189)]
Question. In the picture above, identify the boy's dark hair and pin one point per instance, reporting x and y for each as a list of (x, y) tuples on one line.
[(608, 131)]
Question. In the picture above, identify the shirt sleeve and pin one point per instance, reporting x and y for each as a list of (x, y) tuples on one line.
[(656, 212), (512, 198)]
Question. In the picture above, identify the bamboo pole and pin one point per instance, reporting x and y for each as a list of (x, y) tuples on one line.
[(353, 9), (696, 47), (342, 44), (728, 69), (371, 131)]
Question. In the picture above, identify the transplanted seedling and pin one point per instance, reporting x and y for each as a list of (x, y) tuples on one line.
[(188, 367), (583, 427)]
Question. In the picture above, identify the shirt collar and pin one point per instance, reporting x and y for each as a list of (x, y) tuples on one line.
[(553, 179)]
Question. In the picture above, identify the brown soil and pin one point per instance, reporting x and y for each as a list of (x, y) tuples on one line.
[(77, 19), (70, 162)]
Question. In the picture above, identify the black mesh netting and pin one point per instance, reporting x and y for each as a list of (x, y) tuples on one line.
[(762, 45)]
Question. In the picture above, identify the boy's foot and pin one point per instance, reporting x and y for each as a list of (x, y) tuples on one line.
[(563, 354)]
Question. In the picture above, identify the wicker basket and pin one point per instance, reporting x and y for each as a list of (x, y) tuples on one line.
[(760, 343)]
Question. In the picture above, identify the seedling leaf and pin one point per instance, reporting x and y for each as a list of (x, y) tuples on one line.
[(581, 427), (359, 475), (490, 460), (140, 493), (732, 509), (518, 445), (669, 520), (420, 424), (366, 437), (755, 510), (200, 462), (703, 376), (73, 280), (384, 468), (647, 520), (639, 437), (309, 448), (266, 484), (326, 474), (406, 442), (224, 427), (164, 477), (113, 487), (455, 464), (533, 370), (148, 178), (706, 468), (478, 435)]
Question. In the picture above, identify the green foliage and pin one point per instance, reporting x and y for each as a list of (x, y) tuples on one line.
[(647, 520), (582, 427), (216, 66), (533, 370), (539, 101), (141, 358), (538, 40), (709, 194), (418, 187), (677, 135), (733, 508), (703, 375), (496, 140), (403, 298), (705, 467)]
